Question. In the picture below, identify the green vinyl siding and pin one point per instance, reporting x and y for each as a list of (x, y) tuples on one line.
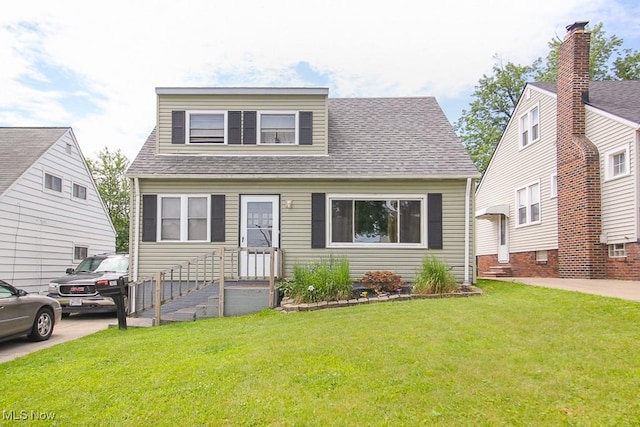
[(316, 104), (295, 223)]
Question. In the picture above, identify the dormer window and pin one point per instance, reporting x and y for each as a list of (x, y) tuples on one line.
[(530, 127), (278, 128), (206, 127)]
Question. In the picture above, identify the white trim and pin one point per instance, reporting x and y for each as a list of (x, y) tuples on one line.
[(80, 199), (422, 198), (608, 163), (184, 218), (528, 205), (323, 177), (296, 126), (79, 245), (46, 172), (187, 126), (136, 228), (242, 91), (467, 231), (529, 115), (553, 189)]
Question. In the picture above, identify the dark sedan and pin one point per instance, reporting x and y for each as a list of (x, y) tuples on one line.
[(25, 314)]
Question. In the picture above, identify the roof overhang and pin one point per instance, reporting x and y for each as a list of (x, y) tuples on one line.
[(493, 210), (242, 91)]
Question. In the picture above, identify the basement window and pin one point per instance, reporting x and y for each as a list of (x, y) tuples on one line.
[(617, 250), (542, 256)]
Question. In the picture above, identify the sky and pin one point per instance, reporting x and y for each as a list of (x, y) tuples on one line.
[(94, 66)]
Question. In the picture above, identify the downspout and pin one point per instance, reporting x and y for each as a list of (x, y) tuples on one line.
[(467, 230), (136, 228)]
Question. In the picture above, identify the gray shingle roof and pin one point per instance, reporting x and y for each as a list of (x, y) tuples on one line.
[(20, 148), (368, 137), (618, 97)]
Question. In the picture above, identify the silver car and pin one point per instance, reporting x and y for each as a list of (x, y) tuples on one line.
[(24, 314)]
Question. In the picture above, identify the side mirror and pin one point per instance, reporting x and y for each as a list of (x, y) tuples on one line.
[(22, 292), (69, 270)]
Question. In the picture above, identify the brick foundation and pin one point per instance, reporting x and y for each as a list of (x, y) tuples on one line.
[(627, 268)]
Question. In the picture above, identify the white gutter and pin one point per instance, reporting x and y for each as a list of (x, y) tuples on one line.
[(467, 229), (136, 228)]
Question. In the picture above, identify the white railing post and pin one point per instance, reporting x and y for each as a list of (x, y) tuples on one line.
[(221, 288), (272, 263), (158, 300)]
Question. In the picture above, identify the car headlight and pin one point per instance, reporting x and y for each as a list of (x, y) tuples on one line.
[(53, 287)]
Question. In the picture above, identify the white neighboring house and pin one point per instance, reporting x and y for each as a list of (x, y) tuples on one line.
[(51, 215)]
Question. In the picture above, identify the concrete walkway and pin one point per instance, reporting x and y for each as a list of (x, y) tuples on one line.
[(624, 289)]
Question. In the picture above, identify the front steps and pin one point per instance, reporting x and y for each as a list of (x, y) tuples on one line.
[(501, 270)]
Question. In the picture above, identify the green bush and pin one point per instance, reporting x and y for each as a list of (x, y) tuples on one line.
[(381, 281), (435, 277), (325, 280)]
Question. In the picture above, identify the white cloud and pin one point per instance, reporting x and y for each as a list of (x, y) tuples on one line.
[(118, 52)]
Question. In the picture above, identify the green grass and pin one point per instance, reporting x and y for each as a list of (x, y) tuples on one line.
[(518, 355)]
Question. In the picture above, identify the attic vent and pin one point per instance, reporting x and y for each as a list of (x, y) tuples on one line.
[(68, 148)]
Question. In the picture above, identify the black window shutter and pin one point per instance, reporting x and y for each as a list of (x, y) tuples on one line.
[(235, 127), (249, 127), (305, 119), (434, 221), (217, 218), (177, 127), (149, 217), (318, 235)]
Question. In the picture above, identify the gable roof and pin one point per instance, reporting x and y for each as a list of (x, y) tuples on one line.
[(21, 147), (618, 97), (368, 138)]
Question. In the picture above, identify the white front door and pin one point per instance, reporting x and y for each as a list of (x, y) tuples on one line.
[(503, 241), (259, 229)]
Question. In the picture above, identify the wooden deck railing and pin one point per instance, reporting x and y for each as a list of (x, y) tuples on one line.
[(219, 265)]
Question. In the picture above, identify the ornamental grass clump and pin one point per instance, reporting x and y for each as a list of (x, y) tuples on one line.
[(325, 280), (435, 277)]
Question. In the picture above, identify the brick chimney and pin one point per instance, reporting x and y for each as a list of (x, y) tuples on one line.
[(580, 253)]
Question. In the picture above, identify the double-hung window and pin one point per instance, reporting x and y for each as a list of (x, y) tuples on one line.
[(530, 127), (617, 163), (184, 218), (528, 204), (206, 127), (377, 220), (278, 127)]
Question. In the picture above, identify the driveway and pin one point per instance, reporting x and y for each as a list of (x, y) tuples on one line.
[(73, 327), (624, 289)]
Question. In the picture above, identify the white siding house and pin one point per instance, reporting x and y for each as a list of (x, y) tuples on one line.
[(51, 215)]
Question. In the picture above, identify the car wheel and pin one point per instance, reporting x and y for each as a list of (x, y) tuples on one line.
[(42, 326)]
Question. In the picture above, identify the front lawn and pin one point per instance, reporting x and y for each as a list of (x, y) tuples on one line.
[(518, 355)]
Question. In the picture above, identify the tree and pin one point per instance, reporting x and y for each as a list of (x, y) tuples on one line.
[(495, 97), (108, 171)]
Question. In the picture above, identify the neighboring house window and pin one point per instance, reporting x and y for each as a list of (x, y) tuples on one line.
[(377, 220), (542, 256), (79, 191), (528, 204), (206, 127), (554, 186), (530, 127), (80, 253), (278, 127), (184, 218), (617, 250), (617, 163), (52, 182)]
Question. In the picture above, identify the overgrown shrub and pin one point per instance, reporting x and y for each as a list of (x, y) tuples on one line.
[(381, 281), (434, 277), (325, 280)]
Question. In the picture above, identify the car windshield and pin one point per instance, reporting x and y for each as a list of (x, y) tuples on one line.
[(104, 265)]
